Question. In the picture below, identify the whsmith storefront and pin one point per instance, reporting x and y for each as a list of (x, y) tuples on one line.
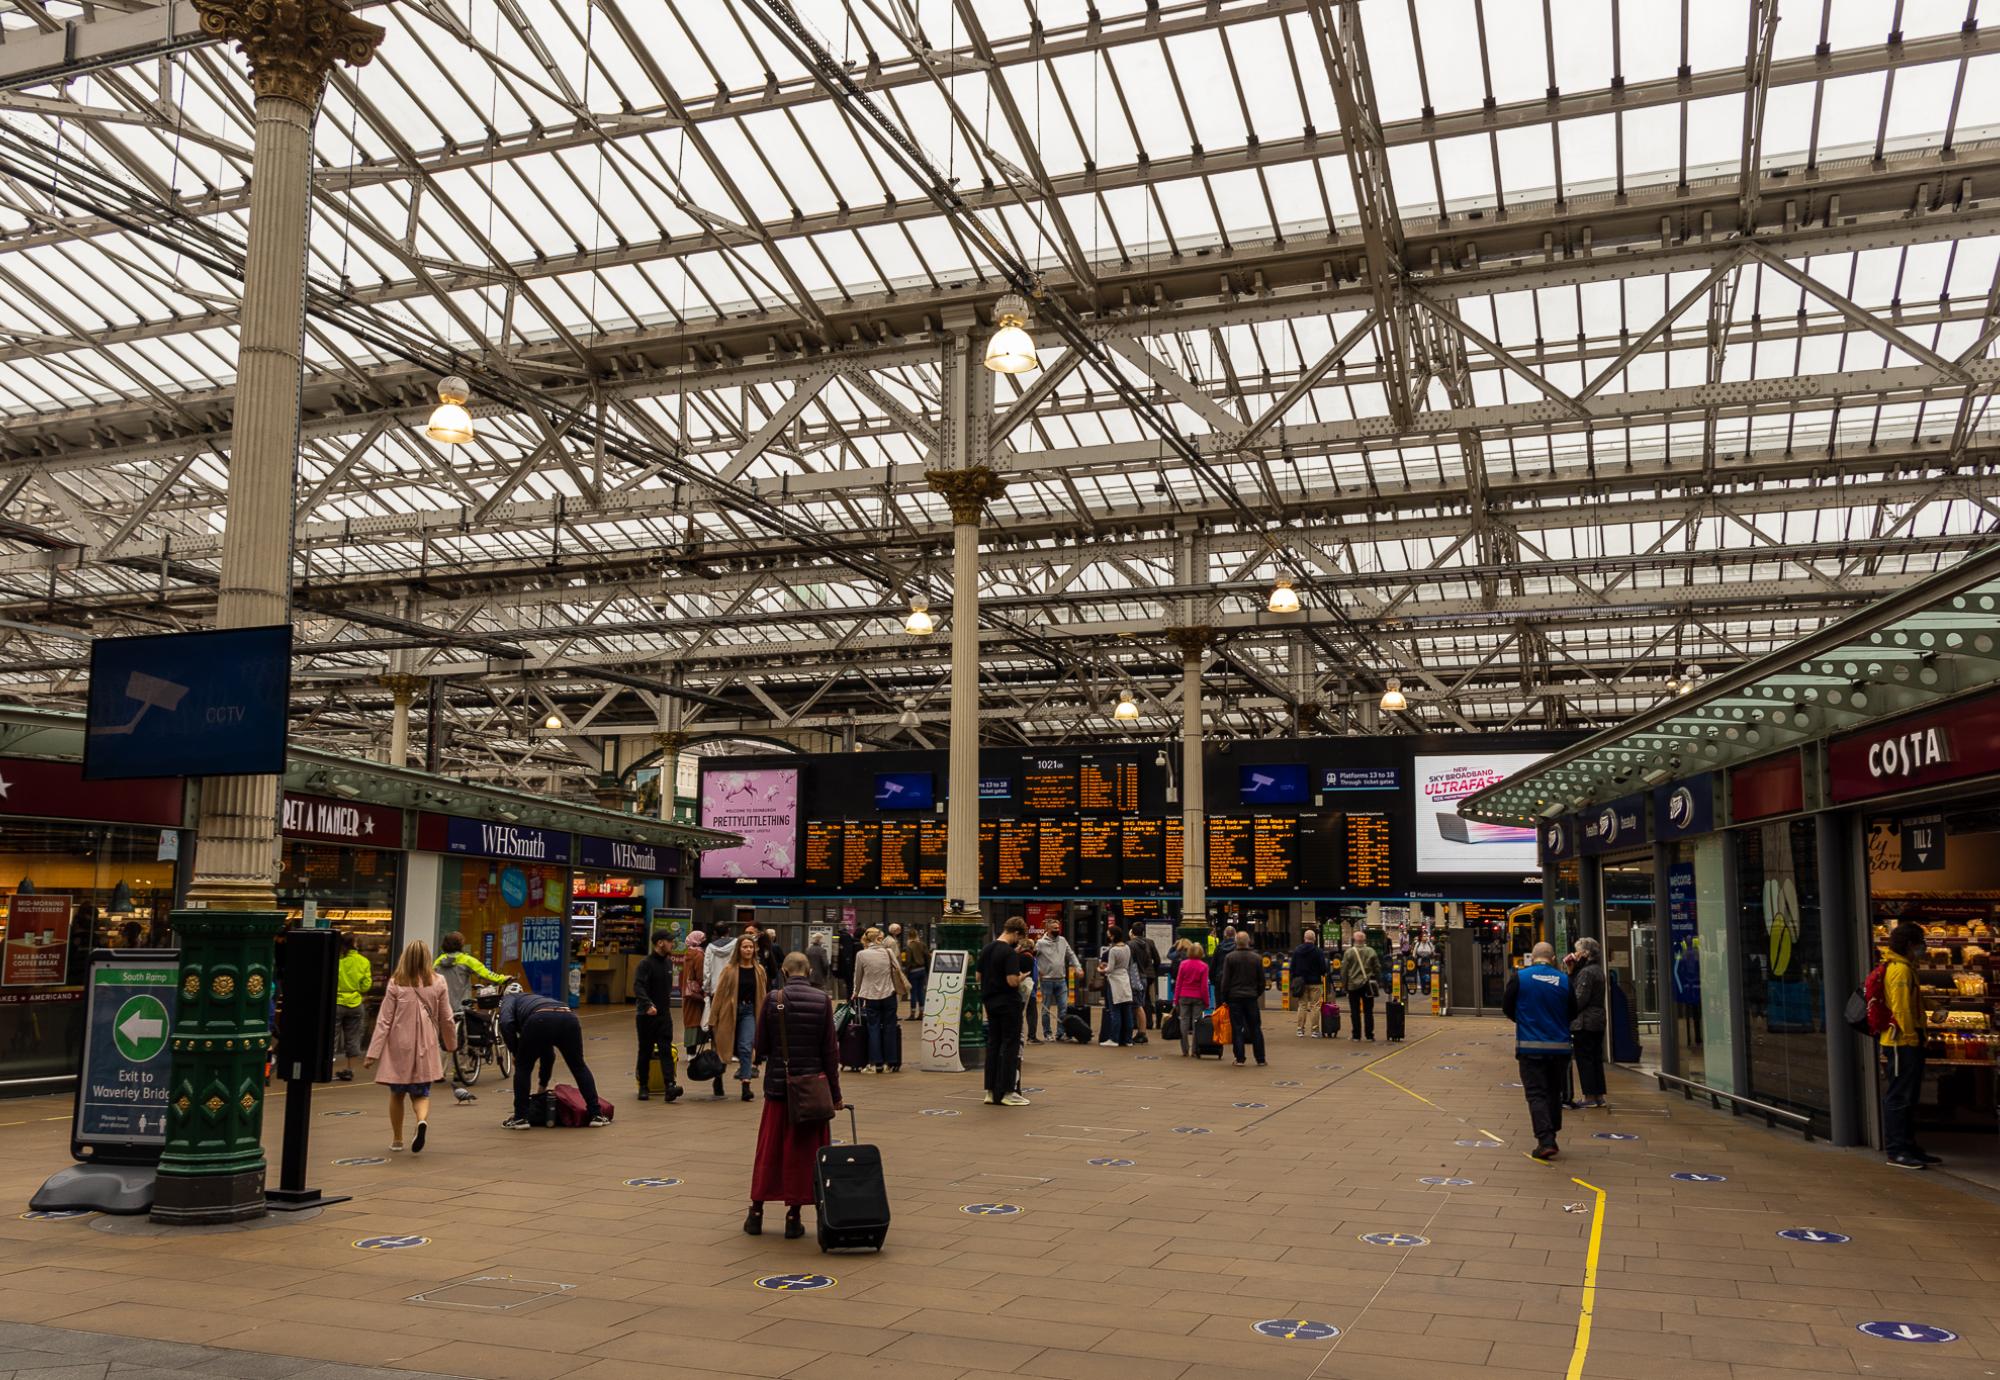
[(1743, 850)]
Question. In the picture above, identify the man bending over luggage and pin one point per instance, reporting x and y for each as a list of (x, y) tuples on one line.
[(536, 1029)]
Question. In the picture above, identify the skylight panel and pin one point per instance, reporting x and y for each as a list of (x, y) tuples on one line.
[(1851, 113), (1527, 163)]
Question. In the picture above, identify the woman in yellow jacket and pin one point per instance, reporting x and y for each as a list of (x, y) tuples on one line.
[(1903, 1048)]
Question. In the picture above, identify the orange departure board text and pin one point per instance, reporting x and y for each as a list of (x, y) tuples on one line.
[(1229, 852), (1274, 853), (930, 854), (1142, 854), (1171, 853), (1055, 867), (823, 853), (1020, 855), (1097, 855), (1049, 783), (1107, 785), (860, 855), (1368, 852), (899, 854)]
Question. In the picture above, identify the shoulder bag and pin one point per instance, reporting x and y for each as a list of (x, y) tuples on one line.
[(808, 1096)]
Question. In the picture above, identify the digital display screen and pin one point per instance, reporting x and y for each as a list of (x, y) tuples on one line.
[(904, 790), (1272, 784), (860, 855), (1142, 854), (1445, 842), (930, 854), (1229, 850), (1020, 852), (823, 854), (989, 854), (1170, 854), (1322, 853), (996, 788), (1097, 855), (899, 854), (1368, 853), (1050, 785), (1108, 785), (1274, 853), (1055, 866)]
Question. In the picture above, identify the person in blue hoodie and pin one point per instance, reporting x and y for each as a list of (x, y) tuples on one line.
[(1539, 1002)]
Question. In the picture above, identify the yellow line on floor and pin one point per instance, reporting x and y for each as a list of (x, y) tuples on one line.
[(1400, 1088), (1582, 1349)]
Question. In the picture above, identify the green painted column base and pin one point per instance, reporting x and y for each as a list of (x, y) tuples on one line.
[(212, 1167), (970, 933)]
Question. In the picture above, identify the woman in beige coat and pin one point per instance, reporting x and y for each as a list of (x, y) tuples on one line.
[(413, 1024), (732, 1016)]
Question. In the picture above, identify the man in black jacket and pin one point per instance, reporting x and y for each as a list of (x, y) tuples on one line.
[(1308, 983), (653, 1002), (1243, 989), (1145, 975), (538, 1028)]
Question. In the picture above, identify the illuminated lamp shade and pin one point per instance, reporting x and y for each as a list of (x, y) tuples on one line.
[(1393, 701), (919, 623), (450, 423), (1127, 709), (553, 722), (1010, 349), (908, 718), (1284, 599)]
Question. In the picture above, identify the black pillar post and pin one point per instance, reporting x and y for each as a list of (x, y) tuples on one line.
[(1839, 925), (1663, 961)]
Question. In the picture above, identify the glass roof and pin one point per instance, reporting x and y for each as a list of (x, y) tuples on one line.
[(1557, 349)]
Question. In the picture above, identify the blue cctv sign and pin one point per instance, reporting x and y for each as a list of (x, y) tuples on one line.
[(189, 704)]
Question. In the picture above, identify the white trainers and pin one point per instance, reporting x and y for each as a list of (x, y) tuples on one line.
[(1107, 1044), (1014, 1100), (992, 1101)]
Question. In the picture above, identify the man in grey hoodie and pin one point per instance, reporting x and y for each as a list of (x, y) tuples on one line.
[(1054, 961)]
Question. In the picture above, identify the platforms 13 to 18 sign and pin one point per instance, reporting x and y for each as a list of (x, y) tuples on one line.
[(121, 1089)]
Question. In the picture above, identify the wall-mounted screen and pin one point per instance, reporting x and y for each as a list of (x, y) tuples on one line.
[(904, 790), (761, 804), (1446, 843), (1282, 783)]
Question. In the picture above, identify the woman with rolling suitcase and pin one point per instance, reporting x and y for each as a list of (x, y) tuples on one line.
[(1190, 993), (796, 1046)]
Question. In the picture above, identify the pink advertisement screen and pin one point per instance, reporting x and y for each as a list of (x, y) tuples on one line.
[(761, 805)]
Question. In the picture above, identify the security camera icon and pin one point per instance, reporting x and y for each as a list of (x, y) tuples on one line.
[(152, 693)]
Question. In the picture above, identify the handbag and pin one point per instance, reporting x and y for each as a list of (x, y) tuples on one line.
[(1298, 986), (1219, 1026), (1170, 1028), (706, 1065), (808, 1097)]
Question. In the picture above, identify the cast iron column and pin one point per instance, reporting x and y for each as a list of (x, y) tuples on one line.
[(967, 487), (404, 688), (212, 1167), (1193, 643)]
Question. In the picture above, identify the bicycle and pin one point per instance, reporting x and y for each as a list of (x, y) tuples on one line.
[(479, 1038)]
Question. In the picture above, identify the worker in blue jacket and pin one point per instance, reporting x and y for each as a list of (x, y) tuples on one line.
[(1540, 1003)]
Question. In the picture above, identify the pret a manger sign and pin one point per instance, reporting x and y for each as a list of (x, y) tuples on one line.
[(1950, 744)]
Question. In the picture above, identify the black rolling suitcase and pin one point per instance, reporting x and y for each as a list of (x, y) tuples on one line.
[(1393, 1013), (892, 1053), (1076, 1027), (853, 1046), (1329, 1020), (850, 1196), (1205, 1045)]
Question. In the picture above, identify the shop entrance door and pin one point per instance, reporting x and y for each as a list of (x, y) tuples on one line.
[(1631, 948)]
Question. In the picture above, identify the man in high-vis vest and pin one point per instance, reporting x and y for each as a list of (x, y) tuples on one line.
[(1539, 1002)]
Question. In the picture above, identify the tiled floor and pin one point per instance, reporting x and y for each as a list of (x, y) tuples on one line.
[(1155, 1270)]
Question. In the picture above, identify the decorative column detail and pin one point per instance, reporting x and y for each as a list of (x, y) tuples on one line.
[(212, 1169), (672, 743), (404, 688), (1193, 642)]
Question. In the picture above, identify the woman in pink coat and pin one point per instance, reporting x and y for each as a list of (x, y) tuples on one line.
[(413, 1024)]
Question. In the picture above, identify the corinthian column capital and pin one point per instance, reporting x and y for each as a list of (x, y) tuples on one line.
[(968, 491), (292, 45)]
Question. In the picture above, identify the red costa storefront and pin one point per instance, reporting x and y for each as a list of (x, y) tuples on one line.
[(82, 866), (1926, 790)]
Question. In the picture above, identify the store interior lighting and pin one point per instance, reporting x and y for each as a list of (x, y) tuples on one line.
[(450, 423), (1010, 349), (1393, 700)]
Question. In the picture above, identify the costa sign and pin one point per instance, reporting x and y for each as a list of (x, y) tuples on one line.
[(1949, 744)]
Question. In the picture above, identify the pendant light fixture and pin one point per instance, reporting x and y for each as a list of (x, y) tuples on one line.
[(1010, 349), (450, 423), (1284, 599), (919, 623), (1393, 700), (1127, 709), (553, 722), (908, 718)]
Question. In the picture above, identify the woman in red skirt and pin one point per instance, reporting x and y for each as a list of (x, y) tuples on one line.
[(788, 1152)]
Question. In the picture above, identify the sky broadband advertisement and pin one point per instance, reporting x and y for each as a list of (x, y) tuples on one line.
[(1446, 843), (761, 805)]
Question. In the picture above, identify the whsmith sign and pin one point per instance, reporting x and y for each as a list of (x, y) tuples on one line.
[(483, 839), (612, 855)]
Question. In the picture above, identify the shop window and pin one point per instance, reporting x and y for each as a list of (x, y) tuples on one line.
[(349, 889), (508, 912), (1783, 969)]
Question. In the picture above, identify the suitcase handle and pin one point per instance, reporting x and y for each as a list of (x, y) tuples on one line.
[(853, 1126)]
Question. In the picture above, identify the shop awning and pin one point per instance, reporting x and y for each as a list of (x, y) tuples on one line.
[(1935, 641), (30, 732)]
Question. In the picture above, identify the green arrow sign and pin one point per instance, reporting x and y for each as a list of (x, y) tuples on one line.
[(140, 1028)]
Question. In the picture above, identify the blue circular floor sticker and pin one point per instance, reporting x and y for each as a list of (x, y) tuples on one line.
[(1439, 1181), (1615, 1135), (1107, 1162), (55, 1215), (390, 1243), (1089, 1073), (1477, 1144), (1393, 1238), (1250, 1106), (937, 1111), (1190, 1130), (1026, 1091), (355, 1161), (1295, 1329), (1149, 1058), (1285, 1083), (349, 1112), (1510, 1085), (989, 1209), (652, 1183), (1906, 1332), (1814, 1236), (795, 1284), (1447, 1068), (1689, 1177)]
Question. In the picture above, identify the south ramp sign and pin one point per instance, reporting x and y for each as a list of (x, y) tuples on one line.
[(121, 1089)]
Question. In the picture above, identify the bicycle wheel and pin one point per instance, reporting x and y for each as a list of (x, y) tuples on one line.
[(503, 1058), (465, 1062)]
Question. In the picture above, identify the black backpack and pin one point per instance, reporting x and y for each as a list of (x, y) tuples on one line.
[(541, 1109)]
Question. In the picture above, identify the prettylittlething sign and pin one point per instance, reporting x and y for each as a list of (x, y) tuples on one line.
[(762, 805)]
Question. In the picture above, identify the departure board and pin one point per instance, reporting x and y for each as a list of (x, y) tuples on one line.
[(989, 854), (930, 854), (1097, 867), (899, 854), (1368, 853), (1049, 784), (1322, 853), (1145, 910), (1020, 855), (1142, 854), (823, 854), (1055, 868), (1229, 852), (1107, 785), (1274, 853), (860, 855), (1171, 852)]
